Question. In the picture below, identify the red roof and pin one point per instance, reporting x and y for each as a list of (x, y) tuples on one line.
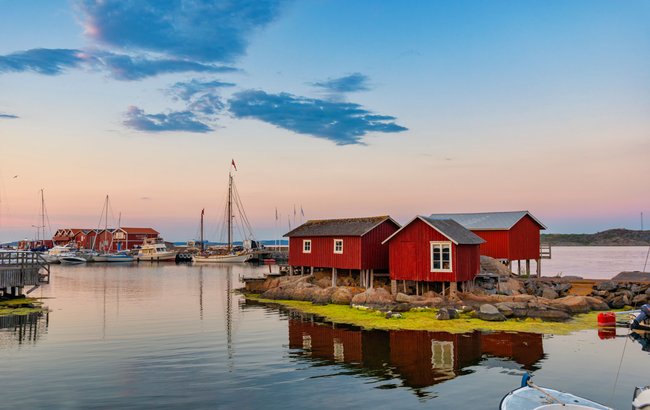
[(140, 230)]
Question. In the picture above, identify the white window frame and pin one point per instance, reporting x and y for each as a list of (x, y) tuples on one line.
[(335, 242), (305, 242), (440, 244)]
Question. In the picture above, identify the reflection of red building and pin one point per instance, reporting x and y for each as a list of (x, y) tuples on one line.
[(420, 358)]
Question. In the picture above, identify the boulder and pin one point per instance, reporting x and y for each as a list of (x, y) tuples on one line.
[(640, 299), (549, 293), (618, 302), (376, 296), (443, 314), (490, 313), (596, 303), (402, 298), (601, 293), (505, 309), (323, 296), (562, 287), (575, 304), (453, 313), (608, 286), (341, 296), (647, 291), (324, 283), (523, 298)]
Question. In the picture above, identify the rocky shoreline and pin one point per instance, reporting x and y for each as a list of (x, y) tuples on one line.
[(496, 298)]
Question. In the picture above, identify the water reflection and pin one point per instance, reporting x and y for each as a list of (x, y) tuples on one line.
[(419, 358), (21, 329)]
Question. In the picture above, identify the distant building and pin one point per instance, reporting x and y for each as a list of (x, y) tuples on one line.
[(433, 254), (104, 240), (129, 237), (509, 236), (352, 244)]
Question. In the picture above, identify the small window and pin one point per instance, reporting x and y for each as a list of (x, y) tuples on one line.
[(338, 245), (306, 246), (441, 257)]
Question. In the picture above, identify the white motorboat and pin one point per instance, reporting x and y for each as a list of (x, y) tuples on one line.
[(532, 397), (114, 257), (154, 250), (55, 254), (72, 260)]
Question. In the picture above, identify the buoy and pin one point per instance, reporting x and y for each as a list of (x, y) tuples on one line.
[(607, 319)]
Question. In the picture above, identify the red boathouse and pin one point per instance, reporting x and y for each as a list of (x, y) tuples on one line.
[(509, 236), (433, 252), (353, 244)]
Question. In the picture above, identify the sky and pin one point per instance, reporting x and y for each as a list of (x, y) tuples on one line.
[(338, 108)]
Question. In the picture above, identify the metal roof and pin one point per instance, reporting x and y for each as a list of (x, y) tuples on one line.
[(488, 220), (454, 231), (339, 227)]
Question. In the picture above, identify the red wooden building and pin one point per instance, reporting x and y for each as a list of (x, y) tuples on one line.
[(128, 238), (430, 250), (353, 244), (509, 236)]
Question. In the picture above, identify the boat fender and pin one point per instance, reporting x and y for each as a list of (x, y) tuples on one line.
[(525, 379), (641, 398)]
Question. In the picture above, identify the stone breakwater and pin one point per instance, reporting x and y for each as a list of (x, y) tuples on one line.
[(545, 300), (620, 294)]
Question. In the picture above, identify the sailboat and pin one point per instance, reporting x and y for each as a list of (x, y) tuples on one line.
[(107, 255), (230, 254)]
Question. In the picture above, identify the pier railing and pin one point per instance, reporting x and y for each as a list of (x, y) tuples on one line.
[(545, 251), (20, 268)]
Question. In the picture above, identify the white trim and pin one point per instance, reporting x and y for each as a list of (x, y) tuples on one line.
[(451, 259), (341, 251), (304, 242), (426, 222)]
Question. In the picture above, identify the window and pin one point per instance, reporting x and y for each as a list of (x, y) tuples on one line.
[(306, 246), (338, 245), (441, 257)]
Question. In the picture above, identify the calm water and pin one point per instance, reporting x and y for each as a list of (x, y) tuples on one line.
[(594, 262), (172, 336)]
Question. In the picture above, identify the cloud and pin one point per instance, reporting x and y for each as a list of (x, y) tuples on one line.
[(187, 121), (341, 122), (186, 90), (7, 116), (42, 61), (197, 30), (349, 83), (125, 67)]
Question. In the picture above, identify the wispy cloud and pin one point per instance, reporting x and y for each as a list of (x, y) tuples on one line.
[(197, 30), (42, 61), (8, 116), (186, 90), (347, 84), (341, 122), (186, 121)]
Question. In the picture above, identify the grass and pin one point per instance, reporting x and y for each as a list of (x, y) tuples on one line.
[(426, 319), (20, 306)]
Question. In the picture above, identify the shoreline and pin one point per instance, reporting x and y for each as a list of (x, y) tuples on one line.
[(425, 319)]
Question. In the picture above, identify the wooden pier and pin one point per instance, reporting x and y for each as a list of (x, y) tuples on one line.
[(545, 251), (19, 269)]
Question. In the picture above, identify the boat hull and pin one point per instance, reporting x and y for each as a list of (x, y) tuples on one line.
[(113, 258), (157, 257), (72, 260), (528, 398), (224, 258)]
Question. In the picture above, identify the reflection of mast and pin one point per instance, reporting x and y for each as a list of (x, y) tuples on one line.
[(229, 216), (229, 346), (201, 291)]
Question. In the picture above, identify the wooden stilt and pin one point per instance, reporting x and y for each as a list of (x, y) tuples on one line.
[(334, 274), (443, 289), (372, 278), (393, 286), (290, 270), (527, 267), (453, 288), (539, 268), (519, 267), (404, 285)]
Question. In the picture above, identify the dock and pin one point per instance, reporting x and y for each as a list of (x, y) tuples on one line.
[(20, 269)]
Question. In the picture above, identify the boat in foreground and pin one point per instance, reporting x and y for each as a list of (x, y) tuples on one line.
[(530, 396), (72, 260), (227, 258)]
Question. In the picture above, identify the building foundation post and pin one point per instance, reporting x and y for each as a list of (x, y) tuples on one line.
[(334, 277)]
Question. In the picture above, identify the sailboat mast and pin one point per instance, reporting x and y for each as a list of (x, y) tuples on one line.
[(42, 215), (229, 212), (202, 248)]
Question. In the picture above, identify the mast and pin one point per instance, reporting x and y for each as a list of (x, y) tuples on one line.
[(202, 212), (229, 212), (42, 215), (106, 224)]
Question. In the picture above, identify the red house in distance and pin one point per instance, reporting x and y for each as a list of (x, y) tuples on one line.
[(353, 244), (509, 236), (434, 252)]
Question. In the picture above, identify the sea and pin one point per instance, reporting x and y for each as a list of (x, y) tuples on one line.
[(168, 336)]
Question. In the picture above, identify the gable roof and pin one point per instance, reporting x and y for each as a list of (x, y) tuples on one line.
[(454, 231), (140, 230), (340, 227), (488, 220)]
